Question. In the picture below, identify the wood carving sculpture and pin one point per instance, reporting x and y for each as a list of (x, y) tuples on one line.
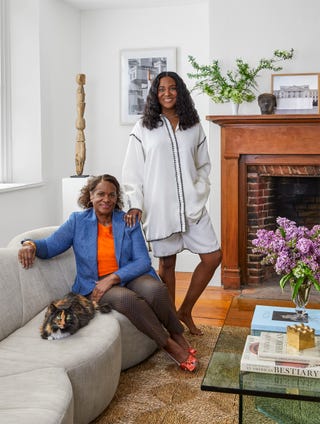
[(80, 125)]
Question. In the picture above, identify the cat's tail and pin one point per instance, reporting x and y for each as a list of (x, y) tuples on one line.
[(105, 308)]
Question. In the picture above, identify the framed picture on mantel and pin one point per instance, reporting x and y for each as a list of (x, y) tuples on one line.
[(296, 93), (138, 68)]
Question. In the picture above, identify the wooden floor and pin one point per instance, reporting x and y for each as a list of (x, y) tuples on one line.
[(218, 306), (213, 305)]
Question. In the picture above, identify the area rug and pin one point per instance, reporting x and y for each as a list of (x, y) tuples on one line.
[(157, 391)]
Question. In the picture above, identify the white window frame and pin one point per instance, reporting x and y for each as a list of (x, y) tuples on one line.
[(20, 113), (5, 97)]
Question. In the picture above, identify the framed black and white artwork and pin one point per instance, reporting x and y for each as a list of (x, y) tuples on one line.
[(138, 68), (296, 93)]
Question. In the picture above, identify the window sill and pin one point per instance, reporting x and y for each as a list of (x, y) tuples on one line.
[(5, 187)]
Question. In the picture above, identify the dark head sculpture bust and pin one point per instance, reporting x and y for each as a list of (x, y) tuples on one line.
[(267, 102)]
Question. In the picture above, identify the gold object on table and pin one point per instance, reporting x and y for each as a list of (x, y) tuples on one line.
[(300, 336)]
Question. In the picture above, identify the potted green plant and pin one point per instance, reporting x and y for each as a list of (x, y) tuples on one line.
[(237, 85)]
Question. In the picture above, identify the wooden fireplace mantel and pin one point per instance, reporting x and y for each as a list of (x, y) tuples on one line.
[(270, 139)]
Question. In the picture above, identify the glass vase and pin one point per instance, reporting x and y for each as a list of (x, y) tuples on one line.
[(301, 300)]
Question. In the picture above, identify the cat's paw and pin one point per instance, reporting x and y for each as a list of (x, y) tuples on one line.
[(58, 335)]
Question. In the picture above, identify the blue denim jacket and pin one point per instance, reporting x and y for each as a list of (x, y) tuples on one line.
[(80, 231)]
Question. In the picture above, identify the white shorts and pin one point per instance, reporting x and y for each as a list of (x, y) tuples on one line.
[(199, 238)]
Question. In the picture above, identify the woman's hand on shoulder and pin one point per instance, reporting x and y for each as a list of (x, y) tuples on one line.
[(26, 255), (132, 216)]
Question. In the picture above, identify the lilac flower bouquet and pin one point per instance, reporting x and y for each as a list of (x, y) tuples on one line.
[(294, 253)]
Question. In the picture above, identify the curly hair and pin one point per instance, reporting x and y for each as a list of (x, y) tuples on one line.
[(185, 109), (84, 199)]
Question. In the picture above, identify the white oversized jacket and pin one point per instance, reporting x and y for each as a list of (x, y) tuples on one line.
[(166, 175)]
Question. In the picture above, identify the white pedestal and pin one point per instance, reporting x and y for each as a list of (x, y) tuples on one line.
[(71, 188)]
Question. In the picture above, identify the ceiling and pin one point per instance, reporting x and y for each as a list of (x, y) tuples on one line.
[(120, 4)]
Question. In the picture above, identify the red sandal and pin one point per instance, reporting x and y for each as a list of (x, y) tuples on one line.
[(192, 351), (190, 364)]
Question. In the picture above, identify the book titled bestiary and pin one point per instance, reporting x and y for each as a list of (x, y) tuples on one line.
[(251, 361)]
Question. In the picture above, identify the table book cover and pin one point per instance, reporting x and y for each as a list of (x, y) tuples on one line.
[(250, 361), (274, 346), (277, 318)]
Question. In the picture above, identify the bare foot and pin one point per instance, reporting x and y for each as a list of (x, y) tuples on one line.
[(188, 321)]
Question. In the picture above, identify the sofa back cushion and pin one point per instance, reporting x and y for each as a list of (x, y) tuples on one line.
[(10, 293), (25, 292)]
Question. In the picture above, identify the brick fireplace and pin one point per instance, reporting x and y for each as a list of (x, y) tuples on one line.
[(270, 166), (278, 190)]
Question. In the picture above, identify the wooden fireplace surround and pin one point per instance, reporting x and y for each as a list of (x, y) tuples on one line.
[(262, 140)]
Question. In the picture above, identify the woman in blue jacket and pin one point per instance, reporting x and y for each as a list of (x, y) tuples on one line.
[(113, 266)]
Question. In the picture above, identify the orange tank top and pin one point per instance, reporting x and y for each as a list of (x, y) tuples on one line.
[(107, 262)]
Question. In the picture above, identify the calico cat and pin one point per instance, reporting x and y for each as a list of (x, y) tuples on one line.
[(67, 315)]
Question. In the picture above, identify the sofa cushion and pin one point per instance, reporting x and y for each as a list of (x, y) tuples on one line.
[(46, 280), (91, 358), (37, 233), (24, 293), (11, 311), (38, 396)]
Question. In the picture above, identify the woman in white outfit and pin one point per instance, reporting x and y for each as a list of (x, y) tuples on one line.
[(166, 180)]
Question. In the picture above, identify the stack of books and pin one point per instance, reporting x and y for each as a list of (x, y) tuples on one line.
[(269, 353)]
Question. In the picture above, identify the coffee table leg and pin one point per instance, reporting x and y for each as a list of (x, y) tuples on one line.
[(240, 409)]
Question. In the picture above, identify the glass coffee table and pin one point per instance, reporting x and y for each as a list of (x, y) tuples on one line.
[(283, 399)]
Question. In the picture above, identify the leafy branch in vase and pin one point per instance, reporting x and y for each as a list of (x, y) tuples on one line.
[(237, 85)]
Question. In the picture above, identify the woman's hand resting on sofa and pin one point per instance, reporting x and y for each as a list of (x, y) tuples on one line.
[(26, 255)]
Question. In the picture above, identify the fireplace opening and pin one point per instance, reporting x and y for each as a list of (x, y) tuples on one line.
[(297, 198), (269, 195)]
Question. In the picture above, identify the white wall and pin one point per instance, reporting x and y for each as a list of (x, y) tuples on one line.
[(104, 34), (253, 29)]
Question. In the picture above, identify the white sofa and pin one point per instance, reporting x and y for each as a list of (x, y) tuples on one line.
[(70, 380)]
